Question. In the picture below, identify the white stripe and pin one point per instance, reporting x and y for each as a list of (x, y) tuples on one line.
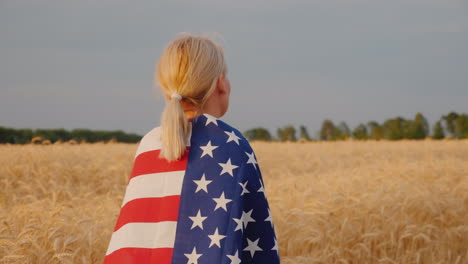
[(152, 141), (144, 235), (154, 185)]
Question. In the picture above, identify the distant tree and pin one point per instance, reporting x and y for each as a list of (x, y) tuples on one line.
[(450, 122), (375, 130), (461, 126), (288, 133), (22, 136), (15, 136), (394, 128), (438, 131), (258, 133), (80, 134), (406, 128), (328, 130), (360, 132), (419, 128), (343, 130), (303, 133), (61, 134)]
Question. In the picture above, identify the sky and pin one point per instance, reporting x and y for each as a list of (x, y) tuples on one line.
[(90, 64)]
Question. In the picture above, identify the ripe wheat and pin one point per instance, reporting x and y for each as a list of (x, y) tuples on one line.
[(332, 202)]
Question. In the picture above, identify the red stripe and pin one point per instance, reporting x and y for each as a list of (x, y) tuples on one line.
[(153, 209), (149, 162), (139, 255)]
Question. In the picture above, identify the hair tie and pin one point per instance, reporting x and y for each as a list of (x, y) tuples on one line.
[(176, 95)]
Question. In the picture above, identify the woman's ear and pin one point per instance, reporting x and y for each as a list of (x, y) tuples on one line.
[(220, 87)]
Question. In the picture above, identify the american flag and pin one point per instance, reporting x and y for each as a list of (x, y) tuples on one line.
[(208, 207)]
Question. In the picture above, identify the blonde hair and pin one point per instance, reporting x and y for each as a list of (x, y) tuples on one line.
[(190, 66)]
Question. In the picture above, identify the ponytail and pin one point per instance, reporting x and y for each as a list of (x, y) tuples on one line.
[(174, 130)]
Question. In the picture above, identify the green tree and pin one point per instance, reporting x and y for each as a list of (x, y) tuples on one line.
[(394, 128), (450, 122), (406, 128), (258, 133), (288, 133), (343, 131), (438, 131), (303, 133), (375, 130), (461, 126), (419, 128), (360, 132), (328, 130), (23, 136)]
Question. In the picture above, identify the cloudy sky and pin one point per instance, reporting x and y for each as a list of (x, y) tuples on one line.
[(90, 64)]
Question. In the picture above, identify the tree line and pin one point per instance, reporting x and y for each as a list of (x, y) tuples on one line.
[(452, 125), (23, 136)]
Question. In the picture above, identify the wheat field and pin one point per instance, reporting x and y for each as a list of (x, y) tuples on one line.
[(332, 202)]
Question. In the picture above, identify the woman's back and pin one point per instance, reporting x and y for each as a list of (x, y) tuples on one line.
[(207, 207)]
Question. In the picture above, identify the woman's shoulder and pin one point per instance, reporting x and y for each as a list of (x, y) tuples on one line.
[(207, 127), (150, 141)]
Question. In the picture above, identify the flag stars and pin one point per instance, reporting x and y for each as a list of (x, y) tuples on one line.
[(275, 247), (197, 220), (210, 119), (232, 137), (269, 218), (234, 258), (247, 218), (228, 167), (193, 257), (202, 184), (216, 238), (252, 159), (221, 202), (244, 187), (239, 222), (261, 189), (208, 149), (252, 247)]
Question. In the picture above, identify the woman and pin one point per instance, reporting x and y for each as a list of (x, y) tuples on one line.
[(195, 194)]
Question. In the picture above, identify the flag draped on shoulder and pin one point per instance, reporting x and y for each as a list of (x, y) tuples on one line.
[(207, 207)]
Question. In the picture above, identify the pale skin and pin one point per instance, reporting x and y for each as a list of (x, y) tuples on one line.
[(218, 102)]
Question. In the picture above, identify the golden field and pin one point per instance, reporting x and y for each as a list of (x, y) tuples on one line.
[(332, 202)]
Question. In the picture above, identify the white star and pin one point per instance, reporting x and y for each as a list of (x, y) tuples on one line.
[(234, 258), (239, 224), (232, 137), (193, 257), (208, 149), (221, 202), (227, 167), (202, 184), (197, 220), (252, 159), (216, 238), (210, 119), (252, 247), (244, 188), (269, 218), (247, 217), (275, 247), (261, 189)]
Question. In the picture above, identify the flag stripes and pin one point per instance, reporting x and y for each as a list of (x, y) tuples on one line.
[(154, 185), (144, 235), (145, 229), (156, 209)]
